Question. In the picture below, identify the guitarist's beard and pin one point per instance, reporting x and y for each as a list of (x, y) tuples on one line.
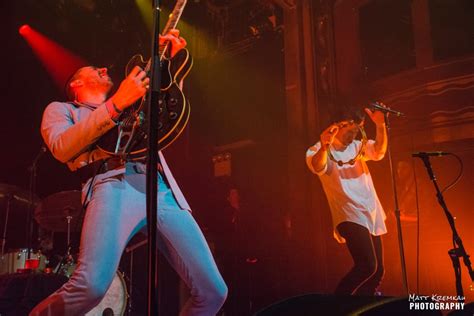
[(101, 86)]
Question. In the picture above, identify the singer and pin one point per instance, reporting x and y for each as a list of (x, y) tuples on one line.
[(358, 217)]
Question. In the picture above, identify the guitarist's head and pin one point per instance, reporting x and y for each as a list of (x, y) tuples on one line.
[(88, 83)]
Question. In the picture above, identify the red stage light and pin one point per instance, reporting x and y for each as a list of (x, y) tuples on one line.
[(24, 29), (58, 61)]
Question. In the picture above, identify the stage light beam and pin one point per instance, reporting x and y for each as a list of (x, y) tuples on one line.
[(147, 14), (58, 61)]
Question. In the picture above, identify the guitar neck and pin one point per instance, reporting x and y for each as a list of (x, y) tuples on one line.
[(175, 16), (172, 23)]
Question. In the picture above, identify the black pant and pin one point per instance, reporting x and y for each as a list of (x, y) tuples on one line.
[(366, 251)]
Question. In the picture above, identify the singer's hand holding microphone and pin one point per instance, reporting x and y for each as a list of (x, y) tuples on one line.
[(376, 115), (379, 106)]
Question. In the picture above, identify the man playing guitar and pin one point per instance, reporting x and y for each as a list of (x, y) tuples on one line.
[(114, 196)]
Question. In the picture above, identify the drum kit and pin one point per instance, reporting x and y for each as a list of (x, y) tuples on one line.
[(61, 212)]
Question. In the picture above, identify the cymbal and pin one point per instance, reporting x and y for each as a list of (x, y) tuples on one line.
[(53, 211), (18, 194)]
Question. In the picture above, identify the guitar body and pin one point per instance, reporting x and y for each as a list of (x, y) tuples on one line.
[(129, 138)]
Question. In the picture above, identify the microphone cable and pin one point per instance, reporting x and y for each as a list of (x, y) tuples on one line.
[(458, 177), (418, 234)]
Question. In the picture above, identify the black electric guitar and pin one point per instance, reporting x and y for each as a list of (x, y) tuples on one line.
[(129, 138)]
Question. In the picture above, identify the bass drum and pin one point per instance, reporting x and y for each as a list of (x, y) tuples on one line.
[(114, 301)]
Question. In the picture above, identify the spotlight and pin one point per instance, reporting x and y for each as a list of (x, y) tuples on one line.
[(263, 20), (58, 61), (24, 29), (261, 27)]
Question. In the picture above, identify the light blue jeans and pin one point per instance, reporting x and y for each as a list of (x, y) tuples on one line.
[(116, 211)]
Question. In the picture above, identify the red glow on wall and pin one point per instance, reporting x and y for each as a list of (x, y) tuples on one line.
[(58, 61)]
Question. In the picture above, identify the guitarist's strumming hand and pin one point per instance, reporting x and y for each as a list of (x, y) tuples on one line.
[(131, 89), (177, 43)]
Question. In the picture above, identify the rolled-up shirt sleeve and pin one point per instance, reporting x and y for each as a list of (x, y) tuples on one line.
[(309, 159), (67, 138), (370, 152)]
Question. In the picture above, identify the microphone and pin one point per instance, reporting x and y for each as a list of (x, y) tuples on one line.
[(377, 107), (425, 154), (41, 152)]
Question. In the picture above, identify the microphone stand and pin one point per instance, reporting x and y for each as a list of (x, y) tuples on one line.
[(29, 217), (397, 207), (152, 164), (458, 251)]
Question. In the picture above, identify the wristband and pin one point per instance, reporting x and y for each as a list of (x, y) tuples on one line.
[(113, 111)]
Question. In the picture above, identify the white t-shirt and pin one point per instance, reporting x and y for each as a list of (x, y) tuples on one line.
[(349, 188)]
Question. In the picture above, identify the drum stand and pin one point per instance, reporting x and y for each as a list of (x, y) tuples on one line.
[(29, 218), (67, 260), (131, 250), (7, 212)]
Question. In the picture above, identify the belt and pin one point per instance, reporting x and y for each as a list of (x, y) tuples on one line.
[(102, 166), (99, 166)]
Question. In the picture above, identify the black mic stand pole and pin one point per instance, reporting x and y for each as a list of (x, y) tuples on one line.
[(458, 250), (29, 217), (152, 163), (397, 207)]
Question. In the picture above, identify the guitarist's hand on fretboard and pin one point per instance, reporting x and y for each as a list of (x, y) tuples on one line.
[(129, 137), (131, 89), (172, 37)]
